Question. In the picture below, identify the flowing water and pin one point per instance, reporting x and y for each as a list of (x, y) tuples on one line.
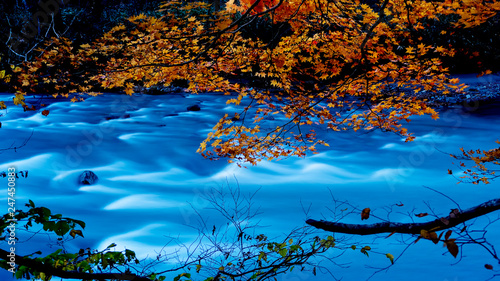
[(143, 149)]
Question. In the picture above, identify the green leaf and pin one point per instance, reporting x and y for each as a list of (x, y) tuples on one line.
[(49, 226), (56, 253), (178, 277), (45, 212), (129, 254), (365, 250), (262, 255), (84, 265), (390, 257), (79, 222), (19, 274), (61, 228), (283, 252)]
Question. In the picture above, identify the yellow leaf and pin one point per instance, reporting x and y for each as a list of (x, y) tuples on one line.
[(129, 91), (365, 249), (390, 257), (75, 232), (18, 99), (365, 214)]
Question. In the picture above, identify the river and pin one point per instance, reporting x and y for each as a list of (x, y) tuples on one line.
[(143, 149)]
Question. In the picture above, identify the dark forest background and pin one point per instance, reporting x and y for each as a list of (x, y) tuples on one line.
[(26, 24)]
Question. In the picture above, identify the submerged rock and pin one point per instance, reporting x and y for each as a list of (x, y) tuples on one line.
[(113, 117), (194, 108), (88, 178)]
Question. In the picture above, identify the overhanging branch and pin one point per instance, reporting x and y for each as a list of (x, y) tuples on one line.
[(51, 271), (408, 228)]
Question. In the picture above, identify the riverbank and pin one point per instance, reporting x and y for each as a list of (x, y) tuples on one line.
[(484, 89)]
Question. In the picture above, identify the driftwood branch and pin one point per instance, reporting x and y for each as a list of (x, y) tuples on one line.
[(408, 228), (51, 271)]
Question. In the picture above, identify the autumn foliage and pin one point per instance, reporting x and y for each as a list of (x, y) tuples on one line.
[(339, 65), (483, 168)]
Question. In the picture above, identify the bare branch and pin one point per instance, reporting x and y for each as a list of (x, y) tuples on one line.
[(408, 228)]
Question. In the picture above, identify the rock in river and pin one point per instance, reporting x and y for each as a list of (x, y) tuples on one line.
[(88, 178)]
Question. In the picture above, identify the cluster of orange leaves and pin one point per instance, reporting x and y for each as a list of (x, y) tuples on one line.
[(480, 172), (343, 65)]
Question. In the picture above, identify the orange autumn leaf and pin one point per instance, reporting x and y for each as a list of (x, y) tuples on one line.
[(45, 112), (452, 247), (365, 214), (187, 45), (421, 215), (448, 234)]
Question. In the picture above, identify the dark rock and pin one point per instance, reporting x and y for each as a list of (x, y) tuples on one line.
[(113, 117), (88, 178), (194, 108), (180, 83)]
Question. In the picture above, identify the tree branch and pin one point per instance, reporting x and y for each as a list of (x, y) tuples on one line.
[(51, 271), (408, 228)]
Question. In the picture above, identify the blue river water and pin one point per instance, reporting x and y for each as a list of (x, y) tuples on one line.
[(143, 149)]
